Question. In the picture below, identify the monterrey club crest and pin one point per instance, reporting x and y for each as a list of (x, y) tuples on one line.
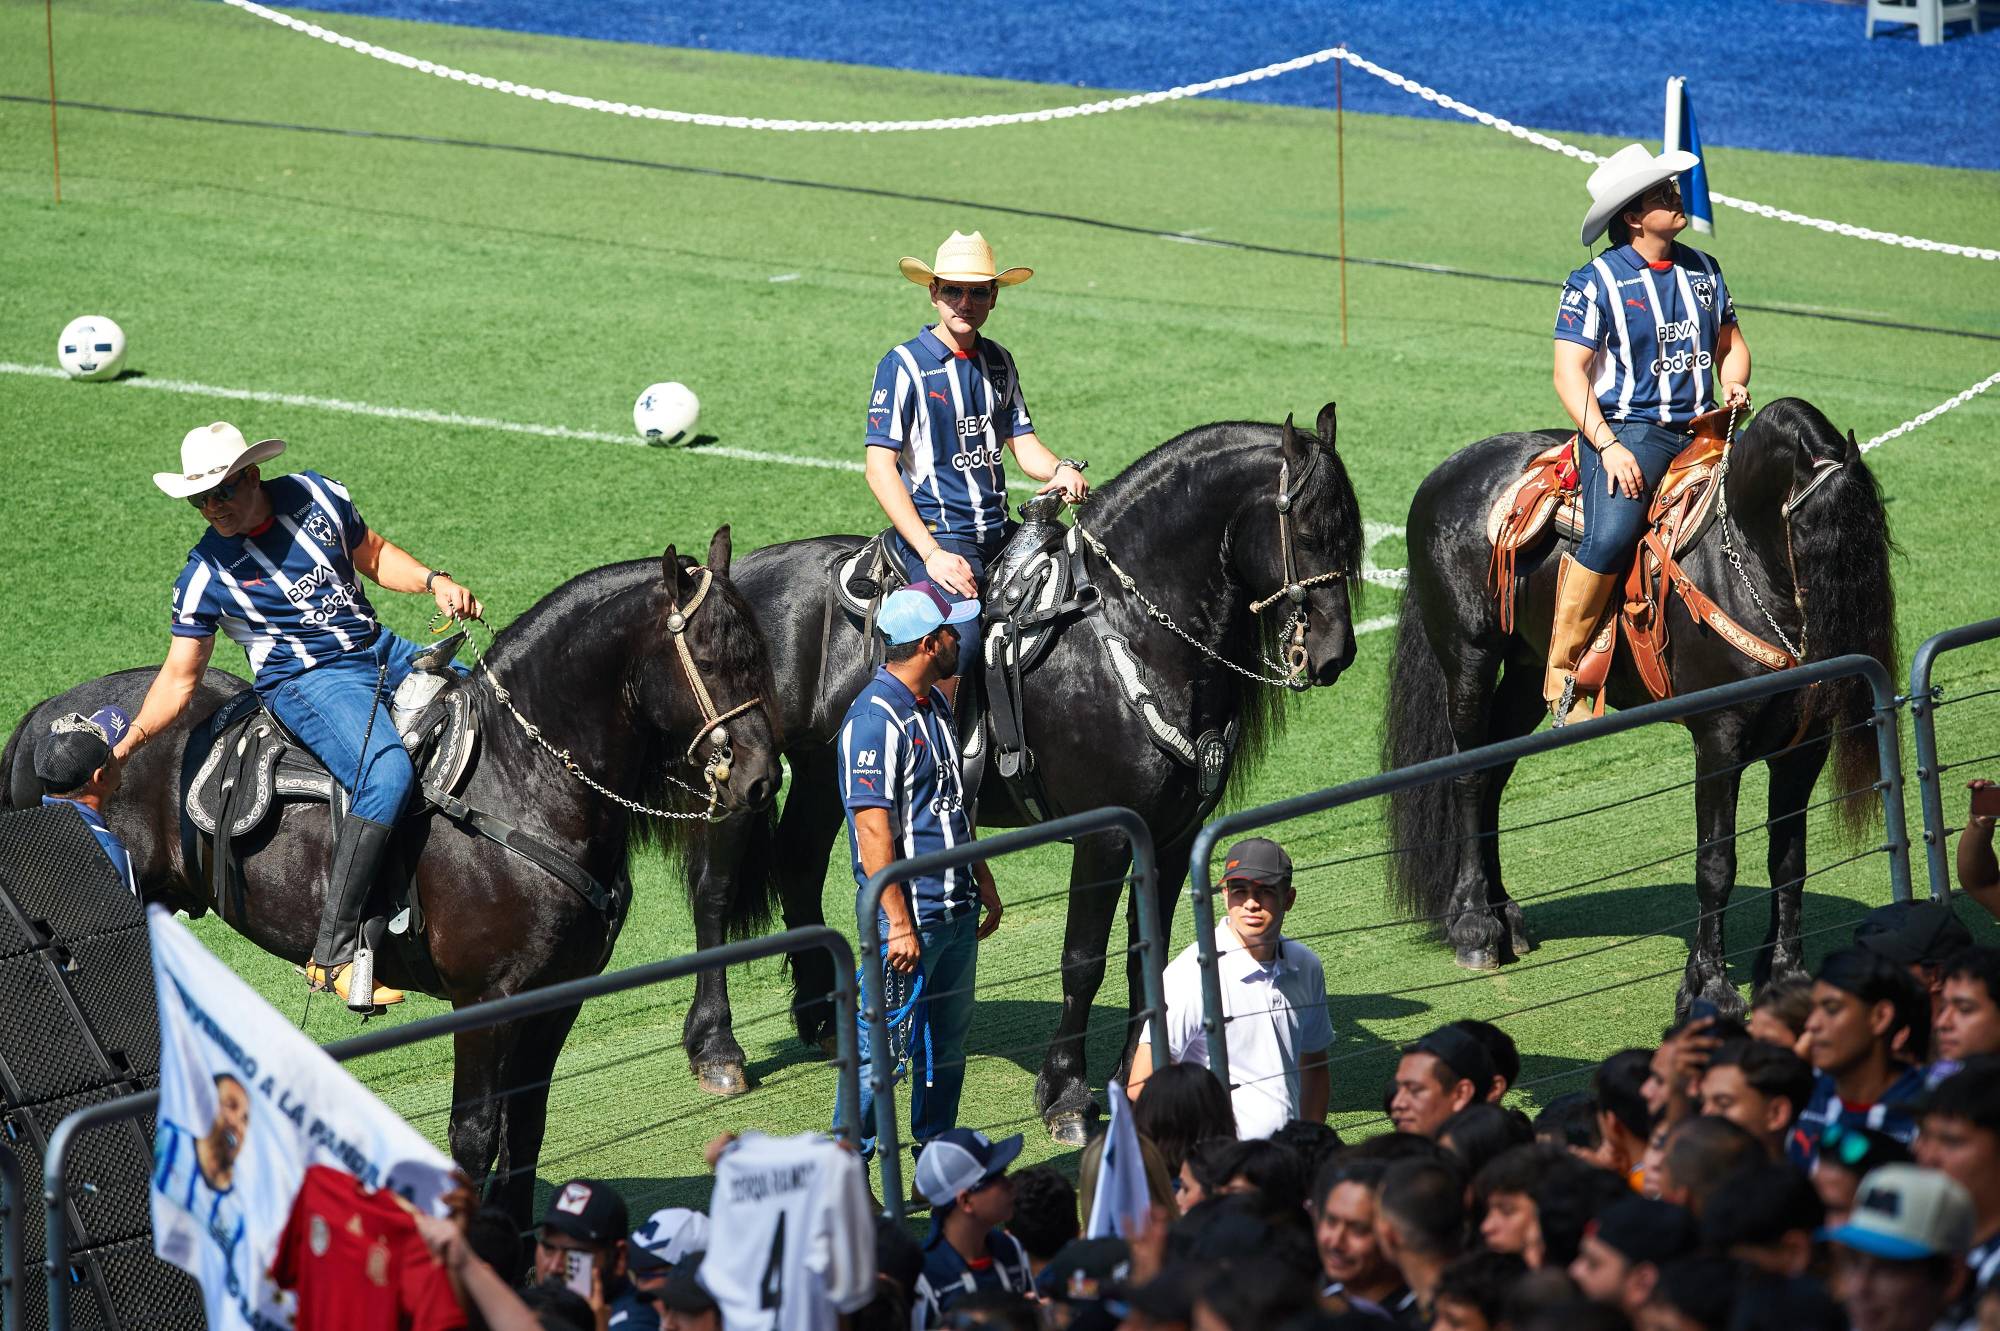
[(319, 528), (1704, 290)]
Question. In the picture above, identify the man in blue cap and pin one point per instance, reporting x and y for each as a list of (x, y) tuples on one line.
[(900, 784), (76, 767), (963, 1173)]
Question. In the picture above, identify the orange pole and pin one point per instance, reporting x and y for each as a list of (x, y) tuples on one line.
[(55, 147), (1340, 167)]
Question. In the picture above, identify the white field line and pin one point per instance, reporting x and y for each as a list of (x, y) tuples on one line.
[(1373, 531)]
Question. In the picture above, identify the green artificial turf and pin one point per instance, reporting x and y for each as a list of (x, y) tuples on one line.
[(546, 290)]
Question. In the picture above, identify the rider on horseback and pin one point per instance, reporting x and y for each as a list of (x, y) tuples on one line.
[(276, 572), (943, 407), (1645, 336)]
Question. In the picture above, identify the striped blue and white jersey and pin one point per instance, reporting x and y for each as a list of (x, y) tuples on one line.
[(178, 1176), (287, 592), (949, 415), (899, 752), (1654, 330)]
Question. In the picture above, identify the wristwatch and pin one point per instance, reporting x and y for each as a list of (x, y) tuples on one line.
[(1076, 464), (434, 575)]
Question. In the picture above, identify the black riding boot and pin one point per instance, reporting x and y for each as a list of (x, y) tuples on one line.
[(357, 855)]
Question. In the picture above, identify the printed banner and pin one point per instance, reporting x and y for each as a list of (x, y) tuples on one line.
[(247, 1104)]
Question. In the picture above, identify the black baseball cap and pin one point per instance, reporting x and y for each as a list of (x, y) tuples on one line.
[(1912, 933), (1257, 860), (589, 1210), (1643, 1230), (76, 746), (1461, 1051), (1085, 1270), (684, 1292)]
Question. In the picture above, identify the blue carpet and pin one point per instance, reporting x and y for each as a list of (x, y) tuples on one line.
[(1787, 75)]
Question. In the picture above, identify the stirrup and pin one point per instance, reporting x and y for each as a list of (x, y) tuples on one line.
[(336, 980)]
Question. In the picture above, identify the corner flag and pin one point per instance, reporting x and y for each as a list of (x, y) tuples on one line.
[(1681, 134)]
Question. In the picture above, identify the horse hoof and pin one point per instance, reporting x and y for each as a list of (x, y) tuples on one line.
[(722, 1078), (1522, 942), (1478, 959), (1069, 1129)]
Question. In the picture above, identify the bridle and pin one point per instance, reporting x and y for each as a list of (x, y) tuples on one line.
[(1293, 635), (715, 768), (1290, 673), (1823, 469)]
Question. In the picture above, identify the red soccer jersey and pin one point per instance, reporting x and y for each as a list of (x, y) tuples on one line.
[(358, 1263)]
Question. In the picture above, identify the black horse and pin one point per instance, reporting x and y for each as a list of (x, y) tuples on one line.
[(1822, 569), (593, 666), (1196, 524)]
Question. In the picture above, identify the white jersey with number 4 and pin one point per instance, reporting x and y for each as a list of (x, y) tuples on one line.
[(792, 1234)]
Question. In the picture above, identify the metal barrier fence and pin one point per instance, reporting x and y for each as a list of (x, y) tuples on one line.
[(55, 1189), (867, 912), (1925, 700), (1201, 890), (12, 1259)]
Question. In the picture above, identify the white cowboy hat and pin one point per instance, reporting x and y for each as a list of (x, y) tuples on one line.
[(1623, 177), (212, 454), (962, 258)]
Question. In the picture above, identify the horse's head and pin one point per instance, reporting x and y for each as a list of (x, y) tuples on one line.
[(709, 689), (1297, 546)]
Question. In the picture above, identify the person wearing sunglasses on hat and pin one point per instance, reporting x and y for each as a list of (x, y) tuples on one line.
[(77, 767), (1646, 339), (279, 570), (1866, 1037), (944, 409)]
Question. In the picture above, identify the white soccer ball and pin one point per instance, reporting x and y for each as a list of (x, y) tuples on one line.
[(665, 413), (91, 347)]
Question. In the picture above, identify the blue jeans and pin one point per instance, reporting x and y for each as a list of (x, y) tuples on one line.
[(1612, 524), (950, 964), (327, 707), (976, 555)]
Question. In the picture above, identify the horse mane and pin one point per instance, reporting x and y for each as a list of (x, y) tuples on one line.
[(731, 655), (1841, 550), (1237, 458)]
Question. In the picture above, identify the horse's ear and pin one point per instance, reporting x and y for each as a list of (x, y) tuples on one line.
[(718, 551), (1853, 447), (1288, 438), (1325, 426), (670, 569)]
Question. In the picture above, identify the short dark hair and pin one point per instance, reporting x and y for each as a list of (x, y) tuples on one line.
[(1346, 1167), (1313, 1143), (1760, 1206), (1769, 1070), (558, 1307), (495, 1239), (1972, 1093), (1617, 1089), (1518, 1170), (1045, 1215), (1426, 1200), (1483, 1280), (1254, 1293), (1570, 1120), (1499, 1045), (1875, 979), (1790, 1001), (1482, 1131), (1212, 1163), (1700, 1288), (902, 651), (1001, 1309), (1977, 963), (1179, 1105), (1273, 1170), (1567, 1198), (1703, 1152)]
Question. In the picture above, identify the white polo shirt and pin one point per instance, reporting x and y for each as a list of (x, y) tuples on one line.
[(1275, 1015)]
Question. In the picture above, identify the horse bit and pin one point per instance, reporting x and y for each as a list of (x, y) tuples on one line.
[(1290, 674), (714, 728)]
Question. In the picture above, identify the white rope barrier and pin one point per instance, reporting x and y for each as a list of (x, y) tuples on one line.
[(635, 111), (1927, 417)]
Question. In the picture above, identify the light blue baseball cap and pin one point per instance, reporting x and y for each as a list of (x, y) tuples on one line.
[(919, 609)]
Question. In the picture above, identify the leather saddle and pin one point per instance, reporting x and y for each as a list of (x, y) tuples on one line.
[(1030, 588), (1544, 504)]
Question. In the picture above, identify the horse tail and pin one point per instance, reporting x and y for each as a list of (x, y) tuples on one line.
[(1424, 862), (1841, 550)]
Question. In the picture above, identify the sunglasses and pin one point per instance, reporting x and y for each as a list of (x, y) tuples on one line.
[(953, 291), (1664, 196), (220, 494), (1849, 1146)]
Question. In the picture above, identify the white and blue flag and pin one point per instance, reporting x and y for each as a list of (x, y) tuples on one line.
[(1681, 134), (1121, 1204)]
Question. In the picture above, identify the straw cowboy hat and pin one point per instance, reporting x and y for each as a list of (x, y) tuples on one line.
[(962, 258), (1623, 177), (212, 454)]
